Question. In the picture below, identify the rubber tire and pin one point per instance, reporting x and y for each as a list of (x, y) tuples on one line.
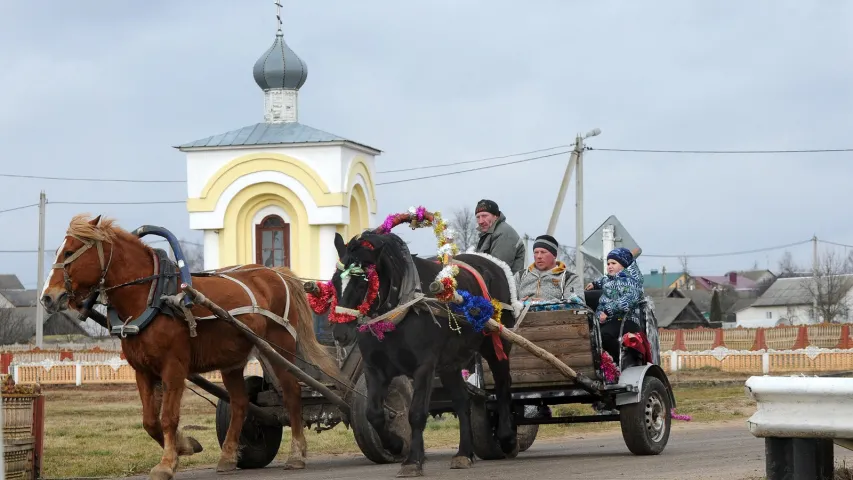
[(486, 446), (259, 443), (633, 419), (526, 436), (399, 398)]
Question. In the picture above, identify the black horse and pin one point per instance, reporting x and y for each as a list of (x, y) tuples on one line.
[(423, 344)]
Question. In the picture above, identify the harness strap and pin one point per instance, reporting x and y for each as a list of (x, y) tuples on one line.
[(476, 275), (254, 308)]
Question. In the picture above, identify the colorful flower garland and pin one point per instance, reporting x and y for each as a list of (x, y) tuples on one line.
[(419, 218)]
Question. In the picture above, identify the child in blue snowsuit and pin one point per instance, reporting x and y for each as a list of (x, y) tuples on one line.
[(622, 290)]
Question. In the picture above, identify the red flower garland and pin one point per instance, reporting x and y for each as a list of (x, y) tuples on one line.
[(320, 302), (327, 300)]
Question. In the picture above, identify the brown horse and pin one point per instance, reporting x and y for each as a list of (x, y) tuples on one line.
[(97, 256)]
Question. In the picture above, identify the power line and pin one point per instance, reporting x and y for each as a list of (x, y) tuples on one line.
[(118, 203), (729, 254), (78, 179), (19, 208), (19, 251), (722, 152), (477, 160), (472, 169), (835, 243)]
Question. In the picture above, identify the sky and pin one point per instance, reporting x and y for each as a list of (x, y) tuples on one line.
[(102, 89)]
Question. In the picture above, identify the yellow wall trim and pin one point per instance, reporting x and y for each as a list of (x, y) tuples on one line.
[(359, 166), (259, 162)]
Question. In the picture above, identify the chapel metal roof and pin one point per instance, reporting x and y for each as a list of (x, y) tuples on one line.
[(270, 134)]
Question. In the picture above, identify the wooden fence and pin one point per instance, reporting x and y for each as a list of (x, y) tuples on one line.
[(826, 335), (810, 360)]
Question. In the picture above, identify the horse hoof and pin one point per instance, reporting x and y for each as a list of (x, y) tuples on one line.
[(161, 473), (411, 470), (226, 466), (196, 446), (189, 446), (294, 464), (460, 463)]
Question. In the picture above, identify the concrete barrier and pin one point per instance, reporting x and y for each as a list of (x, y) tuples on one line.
[(801, 418)]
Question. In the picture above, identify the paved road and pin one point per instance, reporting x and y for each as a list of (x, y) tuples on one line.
[(698, 452)]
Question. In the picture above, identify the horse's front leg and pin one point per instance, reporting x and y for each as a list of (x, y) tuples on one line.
[(239, 403), (173, 442), (413, 466), (506, 431), (454, 383), (377, 389)]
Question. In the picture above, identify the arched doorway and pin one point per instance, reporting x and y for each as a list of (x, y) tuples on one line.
[(272, 242)]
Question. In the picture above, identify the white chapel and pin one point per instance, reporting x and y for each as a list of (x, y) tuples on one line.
[(275, 192)]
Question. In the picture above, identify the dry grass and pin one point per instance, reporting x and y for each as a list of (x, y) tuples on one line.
[(94, 432)]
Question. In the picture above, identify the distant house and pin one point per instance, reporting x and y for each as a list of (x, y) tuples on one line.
[(656, 279), (674, 313), (790, 301), (691, 311), (759, 276), (731, 280)]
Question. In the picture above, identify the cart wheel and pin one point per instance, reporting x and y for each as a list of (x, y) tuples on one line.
[(399, 398), (486, 446), (645, 425), (259, 442)]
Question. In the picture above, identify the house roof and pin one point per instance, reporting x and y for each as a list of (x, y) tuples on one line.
[(741, 304), (656, 279), (756, 275), (793, 291), (270, 134), (10, 281), (668, 309), (702, 299), (741, 282), (20, 298)]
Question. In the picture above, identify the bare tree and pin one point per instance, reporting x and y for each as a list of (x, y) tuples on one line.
[(685, 267), (787, 267), (194, 254), (567, 256), (13, 326), (848, 263), (465, 225), (828, 288)]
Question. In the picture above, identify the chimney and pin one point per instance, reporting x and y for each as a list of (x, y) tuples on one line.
[(733, 278)]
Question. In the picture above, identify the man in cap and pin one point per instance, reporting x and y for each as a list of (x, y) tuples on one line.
[(548, 278), (497, 238)]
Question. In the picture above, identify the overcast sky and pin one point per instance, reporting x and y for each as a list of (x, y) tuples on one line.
[(106, 89)]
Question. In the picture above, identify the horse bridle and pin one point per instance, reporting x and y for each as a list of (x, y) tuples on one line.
[(99, 288)]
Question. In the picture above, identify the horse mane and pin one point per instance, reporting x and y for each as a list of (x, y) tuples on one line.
[(393, 263), (106, 230)]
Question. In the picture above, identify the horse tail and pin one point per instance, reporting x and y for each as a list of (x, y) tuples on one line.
[(314, 351)]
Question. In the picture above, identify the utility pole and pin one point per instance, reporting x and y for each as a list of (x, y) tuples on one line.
[(526, 246), (817, 289), (39, 306), (575, 159)]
